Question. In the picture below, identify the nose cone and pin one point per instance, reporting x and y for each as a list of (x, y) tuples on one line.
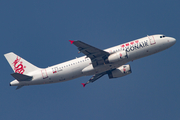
[(171, 41)]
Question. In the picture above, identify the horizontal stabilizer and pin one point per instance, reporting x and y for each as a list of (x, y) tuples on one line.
[(21, 77), (18, 87)]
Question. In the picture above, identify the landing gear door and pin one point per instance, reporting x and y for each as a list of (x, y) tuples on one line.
[(44, 74), (151, 40)]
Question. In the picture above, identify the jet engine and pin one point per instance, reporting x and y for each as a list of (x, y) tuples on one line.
[(116, 57), (120, 71)]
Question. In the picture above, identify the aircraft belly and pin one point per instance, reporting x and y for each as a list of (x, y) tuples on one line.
[(67, 74)]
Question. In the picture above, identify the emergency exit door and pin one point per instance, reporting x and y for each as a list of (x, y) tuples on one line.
[(44, 74), (152, 40)]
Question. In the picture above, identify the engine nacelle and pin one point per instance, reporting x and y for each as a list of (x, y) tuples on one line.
[(120, 72), (116, 57)]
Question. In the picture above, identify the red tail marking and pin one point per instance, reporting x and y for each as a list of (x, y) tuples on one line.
[(71, 41), (83, 84), (18, 66)]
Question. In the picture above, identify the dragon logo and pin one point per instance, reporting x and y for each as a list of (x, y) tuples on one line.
[(18, 66)]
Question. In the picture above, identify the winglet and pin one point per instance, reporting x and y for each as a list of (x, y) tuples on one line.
[(71, 41), (83, 84)]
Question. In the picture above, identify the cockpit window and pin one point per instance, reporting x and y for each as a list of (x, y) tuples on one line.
[(162, 36)]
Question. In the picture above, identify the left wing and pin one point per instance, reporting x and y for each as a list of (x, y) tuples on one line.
[(94, 78), (96, 55)]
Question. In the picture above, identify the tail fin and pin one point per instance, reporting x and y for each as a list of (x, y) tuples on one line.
[(18, 64)]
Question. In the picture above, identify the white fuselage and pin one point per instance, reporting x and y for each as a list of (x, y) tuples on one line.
[(74, 68)]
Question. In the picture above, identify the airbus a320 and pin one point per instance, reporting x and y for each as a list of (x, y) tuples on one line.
[(96, 62)]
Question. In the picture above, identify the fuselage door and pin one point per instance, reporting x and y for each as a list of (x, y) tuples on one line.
[(152, 40), (44, 74)]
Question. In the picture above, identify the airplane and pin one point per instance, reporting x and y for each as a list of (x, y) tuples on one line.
[(96, 62)]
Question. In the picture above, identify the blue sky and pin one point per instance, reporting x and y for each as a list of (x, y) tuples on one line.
[(39, 32)]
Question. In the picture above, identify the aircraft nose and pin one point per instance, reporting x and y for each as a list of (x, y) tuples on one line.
[(173, 41)]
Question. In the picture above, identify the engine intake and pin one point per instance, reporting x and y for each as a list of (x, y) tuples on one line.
[(120, 71)]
